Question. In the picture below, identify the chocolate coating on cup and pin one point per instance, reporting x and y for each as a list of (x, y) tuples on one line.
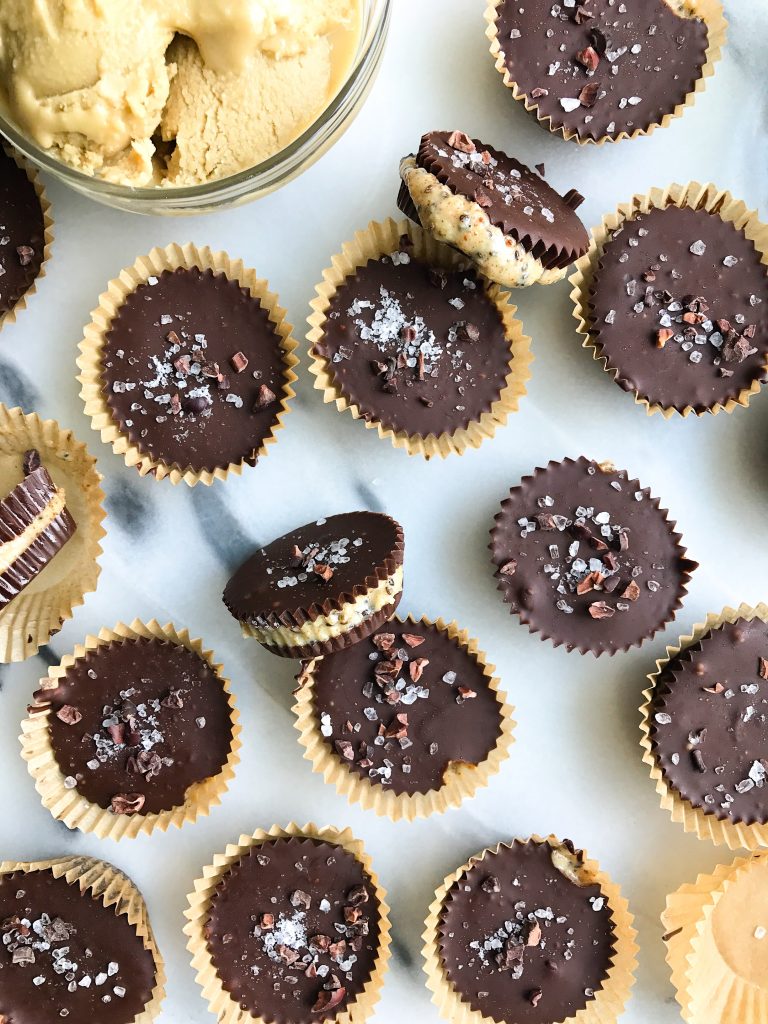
[(286, 583), (401, 706), (293, 932), (514, 198), (22, 233), (708, 719), (169, 370), (586, 557), (677, 307), (144, 718), (109, 975), (414, 347), (19, 511), (621, 70), (522, 943)]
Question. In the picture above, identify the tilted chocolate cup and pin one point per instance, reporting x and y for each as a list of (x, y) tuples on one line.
[(710, 11), (609, 1000), (734, 835), (460, 782), (103, 882), (220, 1001), (380, 239), (40, 609), (696, 197), (74, 809), (174, 257), (716, 947)]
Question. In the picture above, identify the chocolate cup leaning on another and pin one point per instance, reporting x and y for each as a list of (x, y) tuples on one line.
[(670, 300), (187, 365), (90, 916), (448, 726), (27, 230), (596, 73), (436, 362), (309, 893), (322, 587), (711, 775), (530, 932), (157, 683), (515, 228), (586, 557), (715, 933), (51, 517)]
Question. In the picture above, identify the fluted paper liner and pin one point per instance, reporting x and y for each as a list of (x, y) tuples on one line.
[(172, 257), (460, 782), (710, 11), (115, 890), (70, 806), (687, 566), (609, 1000), (734, 835), (34, 177), (709, 989), (48, 601), (696, 197), (220, 1002), (380, 239)]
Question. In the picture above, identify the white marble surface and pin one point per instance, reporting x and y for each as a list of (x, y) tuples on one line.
[(575, 768)]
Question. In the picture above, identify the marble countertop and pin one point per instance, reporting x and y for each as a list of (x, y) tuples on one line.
[(575, 769)]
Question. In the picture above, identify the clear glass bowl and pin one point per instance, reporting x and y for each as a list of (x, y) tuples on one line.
[(256, 181)]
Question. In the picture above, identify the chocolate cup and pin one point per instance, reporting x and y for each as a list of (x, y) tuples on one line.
[(722, 832), (695, 196), (710, 10), (609, 1000), (77, 812), (461, 781), (219, 1000)]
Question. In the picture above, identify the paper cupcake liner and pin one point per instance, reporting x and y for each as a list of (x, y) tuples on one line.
[(734, 835), (708, 989), (41, 608), (73, 808), (152, 265), (32, 173), (104, 882), (380, 239), (461, 780), (220, 1002), (696, 197), (687, 566), (710, 11), (610, 999)]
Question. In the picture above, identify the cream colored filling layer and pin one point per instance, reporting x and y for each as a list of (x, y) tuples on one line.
[(460, 222), (326, 627), (13, 549)]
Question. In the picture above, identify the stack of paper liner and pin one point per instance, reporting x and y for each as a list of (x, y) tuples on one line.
[(220, 1001), (75, 810)]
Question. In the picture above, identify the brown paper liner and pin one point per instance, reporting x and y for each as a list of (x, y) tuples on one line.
[(610, 999), (104, 882), (734, 835), (710, 11), (220, 1002), (461, 780), (380, 239), (45, 206), (697, 197), (708, 989), (75, 810), (40, 609), (687, 566), (153, 264)]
